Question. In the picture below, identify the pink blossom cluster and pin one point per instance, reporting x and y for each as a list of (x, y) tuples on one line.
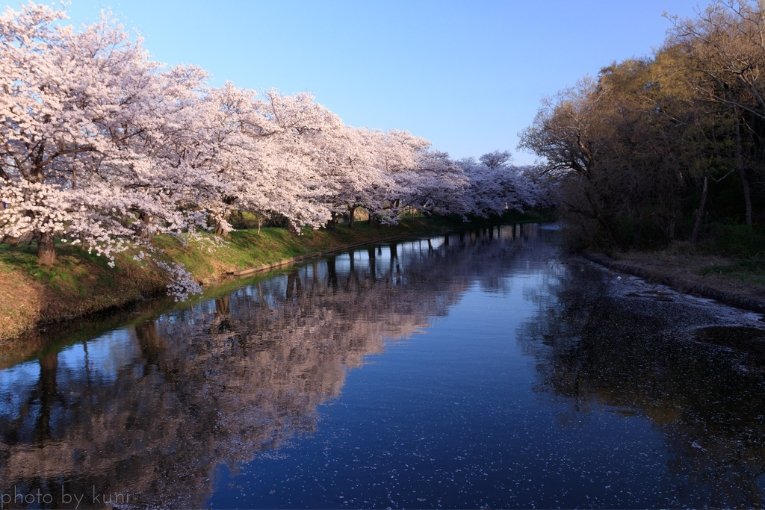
[(103, 147)]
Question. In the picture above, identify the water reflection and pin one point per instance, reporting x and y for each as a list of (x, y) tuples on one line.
[(605, 340), (541, 381), (154, 408)]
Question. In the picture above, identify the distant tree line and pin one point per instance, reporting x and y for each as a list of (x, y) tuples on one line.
[(665, 148)]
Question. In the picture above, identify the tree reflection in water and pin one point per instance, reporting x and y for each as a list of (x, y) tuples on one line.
[(153, 409), (636, 354)]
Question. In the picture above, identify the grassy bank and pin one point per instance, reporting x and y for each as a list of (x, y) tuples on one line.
[(80, 284)]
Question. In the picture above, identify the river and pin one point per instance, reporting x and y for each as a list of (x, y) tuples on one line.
[(484, 369)]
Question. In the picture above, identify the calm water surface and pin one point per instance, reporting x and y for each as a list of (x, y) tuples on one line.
[(486, 370)]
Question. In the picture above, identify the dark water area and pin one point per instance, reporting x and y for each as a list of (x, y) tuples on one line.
[(479, 370)]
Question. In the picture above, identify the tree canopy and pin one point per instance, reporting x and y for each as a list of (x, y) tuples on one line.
[(103, 147), (658, 149)]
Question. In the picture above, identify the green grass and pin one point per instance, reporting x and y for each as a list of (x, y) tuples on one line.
[(735, 240), (81, 283), (207, 257), (73, 267), (750, 270)]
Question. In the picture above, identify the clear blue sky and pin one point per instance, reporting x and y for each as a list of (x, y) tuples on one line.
[(467, 75)]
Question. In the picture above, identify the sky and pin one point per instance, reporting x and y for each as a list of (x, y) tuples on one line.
[(467, 75)]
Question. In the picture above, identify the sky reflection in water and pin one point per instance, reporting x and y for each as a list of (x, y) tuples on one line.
[(486, 371)]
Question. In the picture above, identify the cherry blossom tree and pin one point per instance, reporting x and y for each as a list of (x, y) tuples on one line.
[(498, 187), (496, 159), (102, 147), (74, 108), (287, 179), (437, 185)]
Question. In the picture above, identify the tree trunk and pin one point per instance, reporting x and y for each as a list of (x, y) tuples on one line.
[(150, 341), (223, 306), (332, 220), (700, 211), (372, 264), (220, 231), (351, 214), (146, 228), (672, 228), (48, 393), (291, 279), (332, 273), (742, 173), (222, 322), (745, 188), (46, 250)]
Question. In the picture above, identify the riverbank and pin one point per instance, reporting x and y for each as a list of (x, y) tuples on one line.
[(80, 284), (733, 281)]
